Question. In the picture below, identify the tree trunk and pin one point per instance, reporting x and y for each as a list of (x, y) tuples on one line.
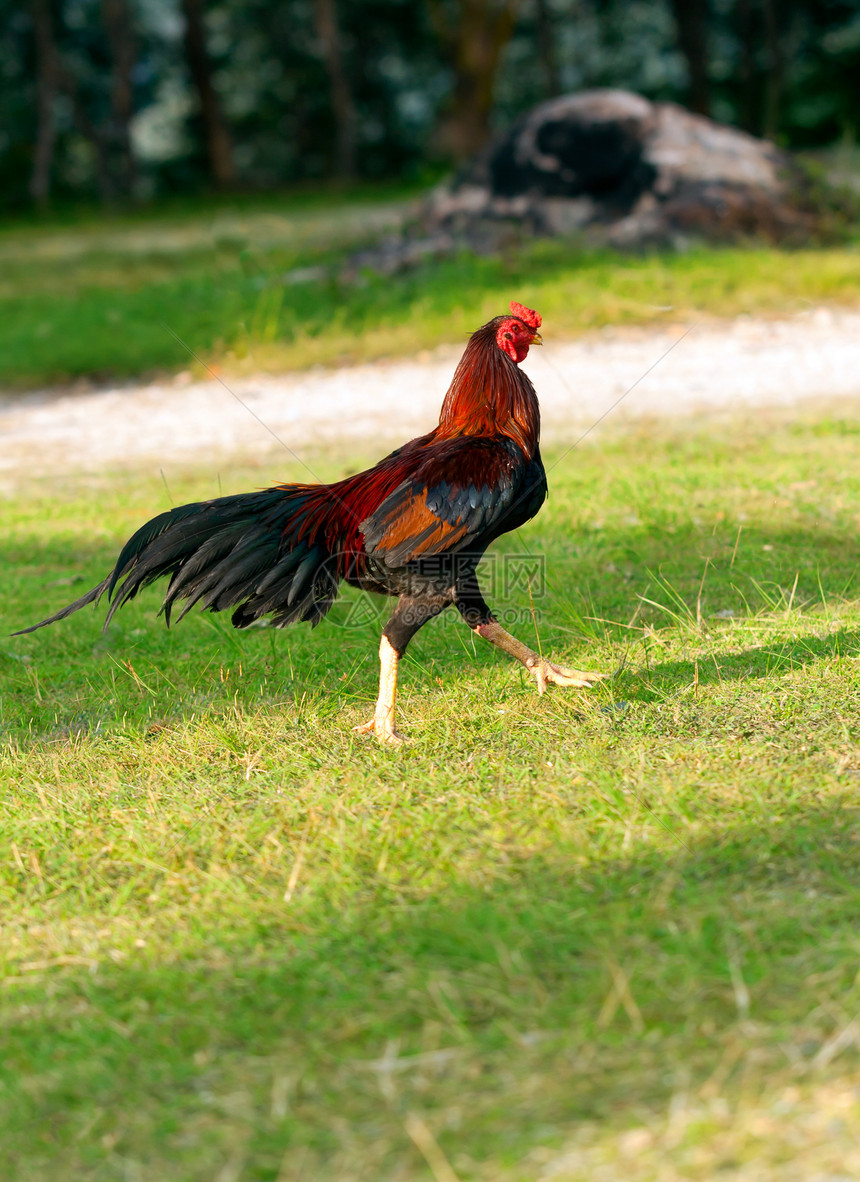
[(546, 35), (775, 72), (117, 20), (472, 38), (691, 21), (747, 105), (47, 84), (85, 125), (342, 103), (219, 145)]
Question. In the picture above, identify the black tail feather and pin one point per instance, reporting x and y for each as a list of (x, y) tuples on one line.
[(91, 597), (243, 552)]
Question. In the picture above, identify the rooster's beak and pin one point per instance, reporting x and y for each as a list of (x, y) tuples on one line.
[(537, 339)]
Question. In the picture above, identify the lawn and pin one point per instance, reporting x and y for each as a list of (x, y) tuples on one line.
[(595, 936), (257, 285)]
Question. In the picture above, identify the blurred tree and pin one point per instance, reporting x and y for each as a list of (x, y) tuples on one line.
[(85, 56), (342, 103), (120, 97), (48, 85), (745, 91), (117, 21), (219, 143), (773, 46), (692, 20), (85, 85), (546, 45), (788, 70), (472, 36)]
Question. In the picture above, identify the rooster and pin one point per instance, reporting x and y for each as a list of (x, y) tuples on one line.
[(415, 526)]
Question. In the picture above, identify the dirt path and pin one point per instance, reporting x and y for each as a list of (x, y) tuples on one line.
[(743, 363)]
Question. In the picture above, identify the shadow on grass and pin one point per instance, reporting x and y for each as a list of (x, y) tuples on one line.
[(759, 661), (507, 1015)]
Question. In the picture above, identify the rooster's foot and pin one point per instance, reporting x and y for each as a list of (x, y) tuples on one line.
[(384, 730), (545, 672)]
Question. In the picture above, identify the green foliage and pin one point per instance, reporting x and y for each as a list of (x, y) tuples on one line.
[(591, 935)]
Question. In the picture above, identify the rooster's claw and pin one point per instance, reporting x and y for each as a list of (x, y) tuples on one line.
[(383, 730), (545, 672)]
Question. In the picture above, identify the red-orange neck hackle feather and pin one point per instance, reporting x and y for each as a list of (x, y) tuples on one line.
[(489, 393)]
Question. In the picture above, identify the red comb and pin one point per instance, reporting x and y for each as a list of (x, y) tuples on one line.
[(532, 319)]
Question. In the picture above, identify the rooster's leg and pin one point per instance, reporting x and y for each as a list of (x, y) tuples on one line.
[(382, 723), (480, 619), (409, 615), (542, 670)]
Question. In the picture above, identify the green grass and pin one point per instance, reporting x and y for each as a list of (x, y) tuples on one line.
[(138, 295), (592, 936)]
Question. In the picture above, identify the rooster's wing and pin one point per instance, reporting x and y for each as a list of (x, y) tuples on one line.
[(462, 492)]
